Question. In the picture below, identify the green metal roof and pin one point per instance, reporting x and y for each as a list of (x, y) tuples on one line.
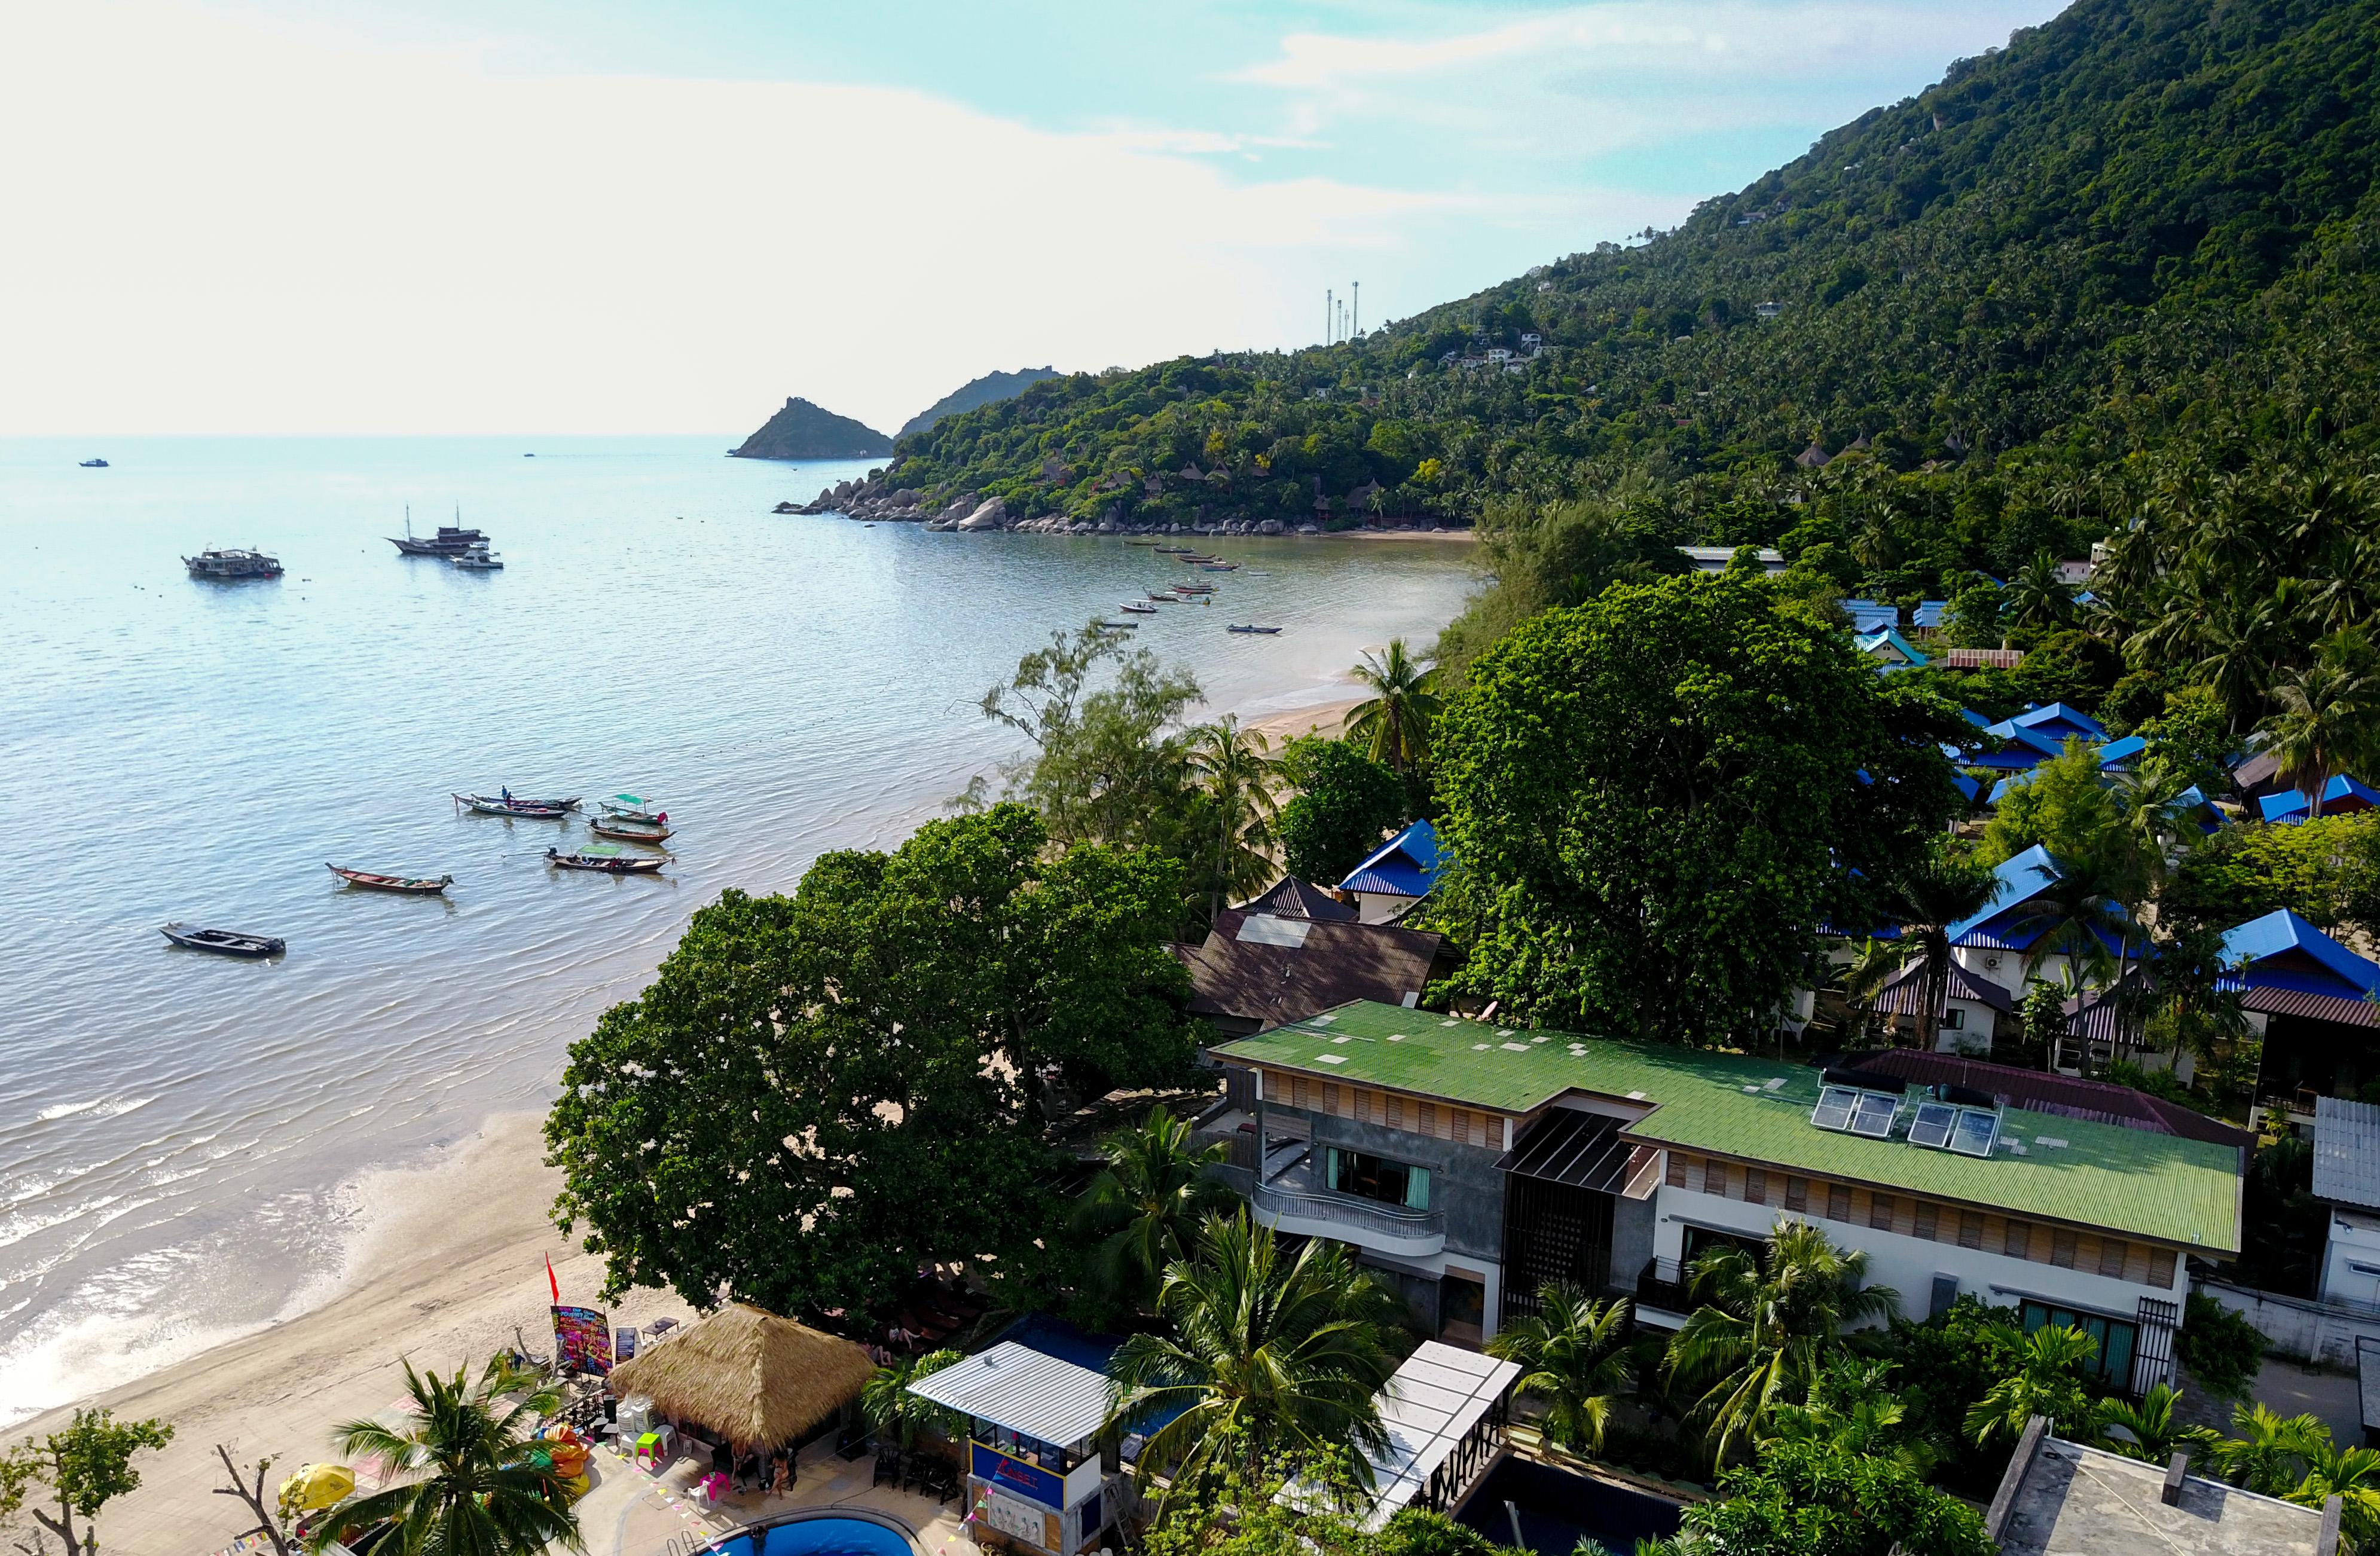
[(2160, 1187)]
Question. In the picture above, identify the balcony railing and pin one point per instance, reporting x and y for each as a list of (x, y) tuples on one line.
[(1388, 1223), (1662, 1284)]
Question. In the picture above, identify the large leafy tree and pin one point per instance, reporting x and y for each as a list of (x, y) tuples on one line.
[(1762, 1332), (1274, 1357), (820, 1093), (1817, 1499), (1106, 762), (1653, 801), (469, 1486), (1344, 804), (1147, 1205)]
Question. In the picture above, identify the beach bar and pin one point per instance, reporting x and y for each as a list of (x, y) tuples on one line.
[(745, 1380), (1037, 1477)]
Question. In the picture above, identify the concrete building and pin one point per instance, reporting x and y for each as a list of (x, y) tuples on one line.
[(2062, 1499), (1471, 1164), (2347, 1178), (1718, 559)]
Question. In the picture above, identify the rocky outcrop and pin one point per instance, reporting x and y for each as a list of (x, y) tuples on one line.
[(803, 431), (877, 501)]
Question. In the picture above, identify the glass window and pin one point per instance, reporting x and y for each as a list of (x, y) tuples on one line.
[(1374, 1177), (2111, 1362)]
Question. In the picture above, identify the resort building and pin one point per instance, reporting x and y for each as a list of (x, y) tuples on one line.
[(1889, 648), (1718, 559), (2063, 1499), (2313, 1002), (1471, 1163), (2346, 1179), (1399, 874), (1296, 951), (1038, 1475)]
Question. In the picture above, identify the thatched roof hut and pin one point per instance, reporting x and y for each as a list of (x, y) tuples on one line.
[(754, 1379)]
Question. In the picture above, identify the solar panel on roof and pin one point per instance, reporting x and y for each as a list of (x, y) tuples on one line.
[(1975, 1132), (1877, 1112), (1932, 1124), (1835, 1105)]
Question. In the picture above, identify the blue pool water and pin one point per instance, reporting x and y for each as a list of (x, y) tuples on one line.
[(820, 1536)]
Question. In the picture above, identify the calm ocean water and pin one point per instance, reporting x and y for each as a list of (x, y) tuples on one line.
[(174, 1128)]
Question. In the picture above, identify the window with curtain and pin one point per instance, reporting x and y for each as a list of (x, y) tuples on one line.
[(1375, 1177)]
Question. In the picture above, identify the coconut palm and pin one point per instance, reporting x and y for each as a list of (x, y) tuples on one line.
[(1273, 1356), (1148, 1203), (2048, 1381), (2325, 718), (2145, 1430), (1393, 723), (471, 1485), (2039, 594), (1762, 1334), (1231, 768), (1863, 977), (1927, 898), (890, 1408), (2076, 915), (2269, 1453), (1572, 1354)]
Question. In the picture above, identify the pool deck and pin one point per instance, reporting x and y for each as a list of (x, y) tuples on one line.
[(631, 1512)]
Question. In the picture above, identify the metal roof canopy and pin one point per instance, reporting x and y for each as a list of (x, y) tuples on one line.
[(1581, 1149), (1028, 1392), (1432, 1403), (2346, 1152)]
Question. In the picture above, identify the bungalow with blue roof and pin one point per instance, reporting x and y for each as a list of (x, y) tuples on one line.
[(1871, 615), (1890, 650), (1997, 943), (1928, 617), (2312, 1000), (1400, 874), (2343, 796), (2057, 724)]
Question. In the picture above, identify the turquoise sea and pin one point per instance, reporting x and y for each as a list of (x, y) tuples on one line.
[(176, 1129)]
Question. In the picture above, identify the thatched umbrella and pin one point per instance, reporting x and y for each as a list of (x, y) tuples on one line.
[(757, 1379)]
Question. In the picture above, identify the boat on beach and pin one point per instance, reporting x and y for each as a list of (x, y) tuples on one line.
[(232, 562), (532, 810), (224, 942), (594, 857), (1264, 631), (625, 831), (419, 886)]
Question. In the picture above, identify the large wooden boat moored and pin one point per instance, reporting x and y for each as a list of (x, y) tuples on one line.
[(416, 885), (534, 811), (224, 942), (624, 831)]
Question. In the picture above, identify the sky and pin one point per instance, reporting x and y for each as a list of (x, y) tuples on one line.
[(452, 217)]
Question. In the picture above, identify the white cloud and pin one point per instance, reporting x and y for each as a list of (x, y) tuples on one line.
[(215, 227)]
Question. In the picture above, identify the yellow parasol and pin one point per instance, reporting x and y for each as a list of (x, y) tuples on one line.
[(317, 1486)]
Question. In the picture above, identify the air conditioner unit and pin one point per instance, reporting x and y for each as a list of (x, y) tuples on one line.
[(1992, 964)]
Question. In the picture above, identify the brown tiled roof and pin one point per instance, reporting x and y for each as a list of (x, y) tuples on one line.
[(1982, 659), (1270, 968), (1291, 898), (2308, 1007)]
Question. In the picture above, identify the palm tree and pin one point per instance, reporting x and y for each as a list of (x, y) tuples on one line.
[(1863, 977), (2352, 1475), (2077, 915), (2142, 1431), (2325, 720), (1572, 1352), (2048, 1381), (471, 1487), (2039, 594), (2270, 1453), (1933, 894), (1148, 1203), (1762, 1335), (889, 1406), (1231, 764), (1393, 723), (1272, 1356)]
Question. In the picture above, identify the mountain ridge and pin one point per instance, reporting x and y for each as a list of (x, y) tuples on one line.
[(805, 430), (986, 390)]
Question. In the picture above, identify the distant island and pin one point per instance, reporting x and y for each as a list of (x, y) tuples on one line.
[(803, 431), (984, 391)]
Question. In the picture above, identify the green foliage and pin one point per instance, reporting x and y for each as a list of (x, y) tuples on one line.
[(79, 1469), (2221, 1348), (2048, 1381), (2062, 803), (470, 1483), (1944, 1367), (1761, 1335), (1243, 1514), (2145, 1428), (1343, 807), (2189, 738), (1812, 1498), (1853, 1409), (1648, 818), (1273, 1359), (1230, 841), (2071, 667), (2282, 1226), (1146, 1204), (893, 1411), (1392, 723), (1574, 1355), (818, 1094)]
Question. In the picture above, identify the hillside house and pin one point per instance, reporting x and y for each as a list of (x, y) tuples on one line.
[(2313, 1002), (1397, 874), (1298, 951)]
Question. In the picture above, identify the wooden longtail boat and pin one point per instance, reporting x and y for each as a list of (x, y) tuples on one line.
[(419, 886), (496, 805), (1266, 631), (628, 832), (607, 864), (227, 942)]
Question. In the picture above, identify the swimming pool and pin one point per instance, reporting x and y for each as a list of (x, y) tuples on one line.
[(818, 1533), (1558, 1510)]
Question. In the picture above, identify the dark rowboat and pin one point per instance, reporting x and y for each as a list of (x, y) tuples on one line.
[(535, 811), (607, 864), (227, 942), (1266, 631), (419, 886), (617, 827)]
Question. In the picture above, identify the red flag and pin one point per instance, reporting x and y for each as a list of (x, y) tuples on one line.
[(551, 1281)]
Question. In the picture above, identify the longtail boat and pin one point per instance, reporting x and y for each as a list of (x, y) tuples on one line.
[(634, 807), (607, 864), (225, 943), (627, 830), (1138, 608), (1266, 631), (496, 805), (417, 885)]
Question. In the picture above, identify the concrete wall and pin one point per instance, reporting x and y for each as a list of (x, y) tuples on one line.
[(2297, 1329), (1464, 1185), (1634, 1224)]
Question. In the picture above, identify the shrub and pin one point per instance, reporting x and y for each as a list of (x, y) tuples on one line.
[(2221, 1348)]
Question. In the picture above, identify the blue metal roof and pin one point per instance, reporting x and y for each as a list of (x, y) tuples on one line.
[(2336, 971), (1405, 866), (1868, 643), (2289, 804), (1871, 615), (2016, 881), (1928, 615), (2056, 721), (2123, 750)]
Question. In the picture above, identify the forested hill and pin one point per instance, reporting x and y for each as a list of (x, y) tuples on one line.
[(2144, 218)]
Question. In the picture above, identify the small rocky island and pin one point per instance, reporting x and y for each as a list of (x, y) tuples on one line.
[(803, 431), (877, 501)]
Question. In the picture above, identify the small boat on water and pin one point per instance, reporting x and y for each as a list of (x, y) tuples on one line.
[(1194, 589), (419, 886), (1139, 607), (232, 562), (1220, 567), (532, 810), (1117, 626), (1266, 631), (625, 831), (634, 808), (224, 942), (478, 559), (613, 862), (94, 464), (1172, 551)]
